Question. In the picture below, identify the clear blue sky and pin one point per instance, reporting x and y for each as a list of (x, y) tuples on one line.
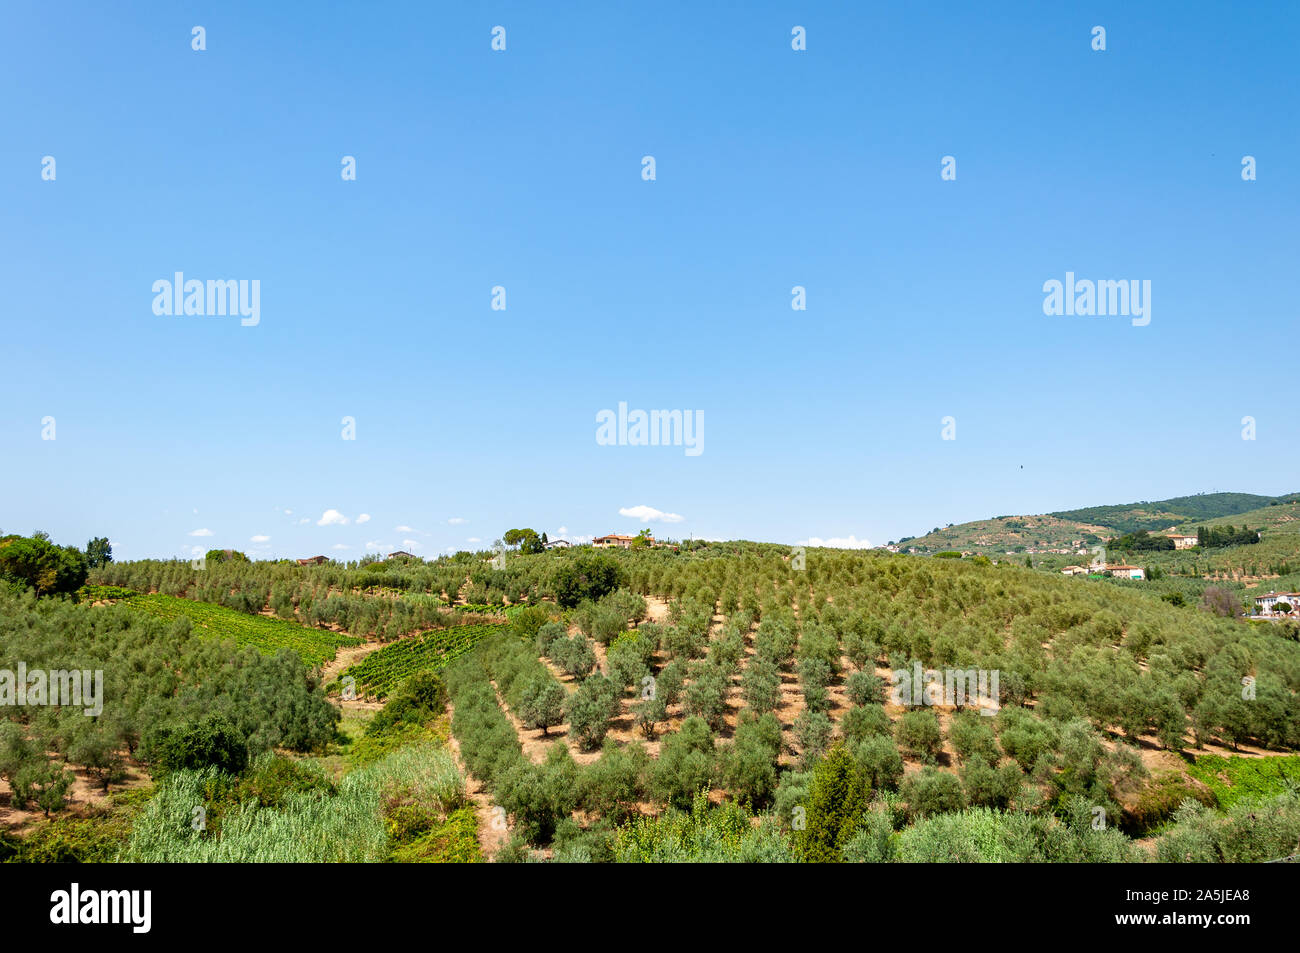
[(523, 169)]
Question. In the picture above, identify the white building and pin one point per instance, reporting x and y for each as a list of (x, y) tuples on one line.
[(1127, 572), (1266, 605)]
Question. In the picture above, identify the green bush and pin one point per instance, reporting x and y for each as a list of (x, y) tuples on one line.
[(212, 741), (918, 732), (933, 792)]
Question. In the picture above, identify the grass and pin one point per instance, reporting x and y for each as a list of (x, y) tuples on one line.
[(410, 796), (453, 841), (1234, 778), (368, 749)]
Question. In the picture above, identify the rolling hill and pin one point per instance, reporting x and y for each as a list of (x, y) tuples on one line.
[(1087, 526)]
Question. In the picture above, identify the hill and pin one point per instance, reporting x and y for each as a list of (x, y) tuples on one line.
[(1132, 517), (1069, 530), (1044, 701)]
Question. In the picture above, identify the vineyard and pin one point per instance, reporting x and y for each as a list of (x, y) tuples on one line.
[(314, 646), (382, 671)]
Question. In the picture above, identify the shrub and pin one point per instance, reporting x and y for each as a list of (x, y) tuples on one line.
[(586, 577), (761, 685), (419, 700), (590, 708), (812, 732), (880, 764), (212, 741), (865, 721), (814, 675), (706, 695), (1024, 737), (542, 704), (547, 635), (933, 792), (987, 786), (865, 688), (613, 784), (574, 656), (537, 796), (918, 732), (749, 763), (972, 736), (874, 841), (686, 763)]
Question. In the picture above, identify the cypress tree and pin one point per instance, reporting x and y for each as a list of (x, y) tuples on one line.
[(836, 805)]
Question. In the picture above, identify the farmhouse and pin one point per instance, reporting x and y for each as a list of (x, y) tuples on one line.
[(1267, 604), (313, 561), (558, 544), (614, 541), (402, 554), (1182, 540), (1074, 571), (1126, 572)]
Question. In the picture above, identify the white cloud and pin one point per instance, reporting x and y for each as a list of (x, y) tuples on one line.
[(473, 539), (375, 544), (562, 530), (332, 518), (201, 532), (403, 529), (411, 544), (305, 519), (363, 518), (259, 539), (340, 546), (648, 514), (837, 542), (457, 521)]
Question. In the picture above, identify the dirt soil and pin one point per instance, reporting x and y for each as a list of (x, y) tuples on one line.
[(85, 796)]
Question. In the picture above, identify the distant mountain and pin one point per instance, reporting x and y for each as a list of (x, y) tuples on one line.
[(1071, 529)]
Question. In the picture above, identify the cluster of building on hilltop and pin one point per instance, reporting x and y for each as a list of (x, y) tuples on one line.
[(615, 541), (1122, 571), (612, 541)]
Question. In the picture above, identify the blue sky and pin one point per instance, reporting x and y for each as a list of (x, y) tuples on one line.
[(522, 169)]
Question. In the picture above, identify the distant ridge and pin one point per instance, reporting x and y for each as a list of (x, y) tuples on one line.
[(1131, 517), (1090, 524)]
